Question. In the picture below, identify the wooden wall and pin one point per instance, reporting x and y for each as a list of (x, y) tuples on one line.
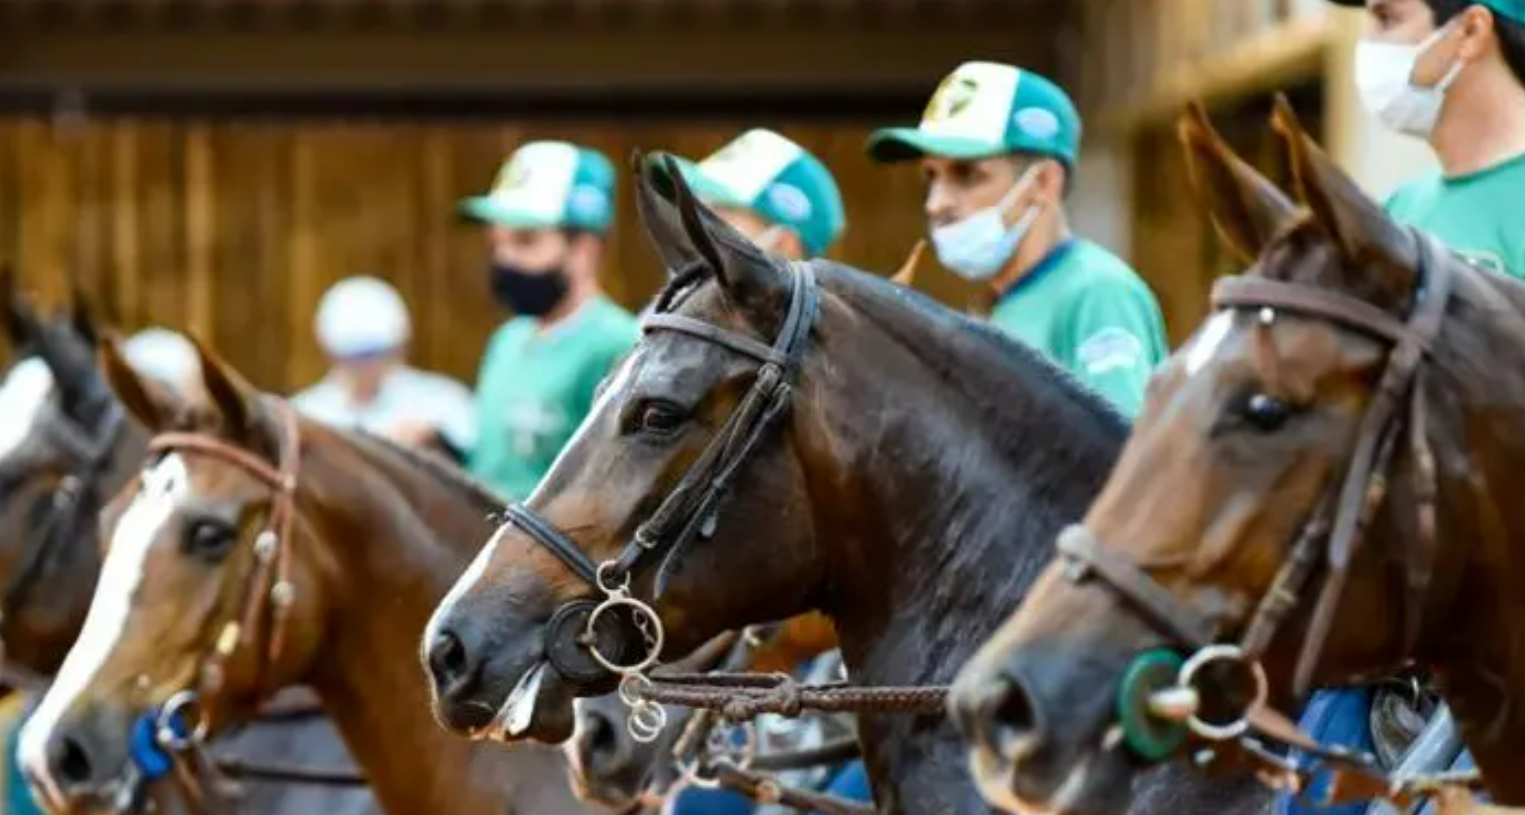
[(234, 229)]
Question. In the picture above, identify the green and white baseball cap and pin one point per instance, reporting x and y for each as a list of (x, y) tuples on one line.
[(986, 109), (779, 180), (1509, 9), (548, 184)]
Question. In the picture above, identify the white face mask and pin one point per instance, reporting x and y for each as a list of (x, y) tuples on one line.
[(980, 245), (1384, 78)]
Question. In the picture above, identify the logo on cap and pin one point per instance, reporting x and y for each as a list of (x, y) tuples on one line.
[(1037, 123), (790, 202), (587, 203), (952, 97)]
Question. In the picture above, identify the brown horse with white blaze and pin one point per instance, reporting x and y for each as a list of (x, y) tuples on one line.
[(1321, 487), (258, 550)]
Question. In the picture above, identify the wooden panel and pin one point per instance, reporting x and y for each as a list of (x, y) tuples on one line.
[(234, 230)]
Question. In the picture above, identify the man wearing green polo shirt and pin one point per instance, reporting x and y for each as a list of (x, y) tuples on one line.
[(998, 147), (1452, 72), (773, 191), (546, 218)]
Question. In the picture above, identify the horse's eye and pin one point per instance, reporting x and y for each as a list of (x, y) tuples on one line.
[(1266, 413), (208, 539), (659, 417)]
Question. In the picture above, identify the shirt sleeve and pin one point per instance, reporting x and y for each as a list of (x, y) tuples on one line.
[(1116, 337), (457, 415)]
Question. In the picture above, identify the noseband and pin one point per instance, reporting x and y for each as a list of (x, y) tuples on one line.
[(89, 451), (575, 633), (1335, 528)]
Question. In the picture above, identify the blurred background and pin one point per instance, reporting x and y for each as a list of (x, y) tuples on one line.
[(214, 165)]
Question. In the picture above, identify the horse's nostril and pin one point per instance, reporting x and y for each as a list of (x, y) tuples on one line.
[(600, 741), (1014, 719), (72, 762), (447, 660)]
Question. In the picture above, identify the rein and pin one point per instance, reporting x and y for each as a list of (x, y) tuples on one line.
[(174, 737), (1160, 698), (709, 759)]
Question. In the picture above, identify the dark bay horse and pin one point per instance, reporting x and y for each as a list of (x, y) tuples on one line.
[(66, 447), (1323, 487), (371, 537), (910, 492)]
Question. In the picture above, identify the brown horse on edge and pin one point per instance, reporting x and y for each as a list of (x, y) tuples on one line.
[(1251, 495), (369, 537)]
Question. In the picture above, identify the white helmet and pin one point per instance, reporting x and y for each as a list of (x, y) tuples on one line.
[(164, 355), (360, 316)]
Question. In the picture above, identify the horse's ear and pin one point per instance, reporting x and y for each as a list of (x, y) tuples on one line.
[(750, 278), (21, 321), (231, 396), (82, 319), (1246, 208), (154, 407), (1367, 239), (660, 218)]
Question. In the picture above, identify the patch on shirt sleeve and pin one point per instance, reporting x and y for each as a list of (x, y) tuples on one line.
[(1109, 349)]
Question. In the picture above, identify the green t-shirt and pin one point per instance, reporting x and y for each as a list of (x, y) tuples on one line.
[(536, 387), (1477, 215), (1090, 312)]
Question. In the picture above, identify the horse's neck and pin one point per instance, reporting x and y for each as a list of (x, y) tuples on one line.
[(386, 572), (950, 499), (1482, 518), (941, 514)]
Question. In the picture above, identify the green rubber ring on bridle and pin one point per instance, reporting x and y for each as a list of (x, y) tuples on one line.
[(1152, 738)]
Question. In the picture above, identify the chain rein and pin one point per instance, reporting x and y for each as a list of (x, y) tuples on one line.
[(1334, 531)]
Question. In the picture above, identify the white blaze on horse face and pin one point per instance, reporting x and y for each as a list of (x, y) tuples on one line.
[(22, 397), (163, 490), (1207, 342)]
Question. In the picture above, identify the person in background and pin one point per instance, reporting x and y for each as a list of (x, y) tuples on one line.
[(363, 327), (1450, 72), (785, 200), (998, 147), (545, 221), (773, 191), (167, 357)]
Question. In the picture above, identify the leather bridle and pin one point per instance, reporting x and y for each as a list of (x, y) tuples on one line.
[(268, 592), (575, 633), (1334, 531)]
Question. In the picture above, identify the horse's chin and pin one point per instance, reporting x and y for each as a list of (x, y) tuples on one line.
[(1097, 783), (538, 708)]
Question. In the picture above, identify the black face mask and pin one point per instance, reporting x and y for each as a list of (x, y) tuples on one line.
[(528, 293)]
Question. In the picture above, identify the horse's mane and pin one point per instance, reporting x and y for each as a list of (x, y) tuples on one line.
[(985, 361)]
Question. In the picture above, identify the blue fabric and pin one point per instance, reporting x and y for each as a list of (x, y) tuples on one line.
[(851, 782), (18, 796), (698, 801), (1331, 717), (1344, 717)]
